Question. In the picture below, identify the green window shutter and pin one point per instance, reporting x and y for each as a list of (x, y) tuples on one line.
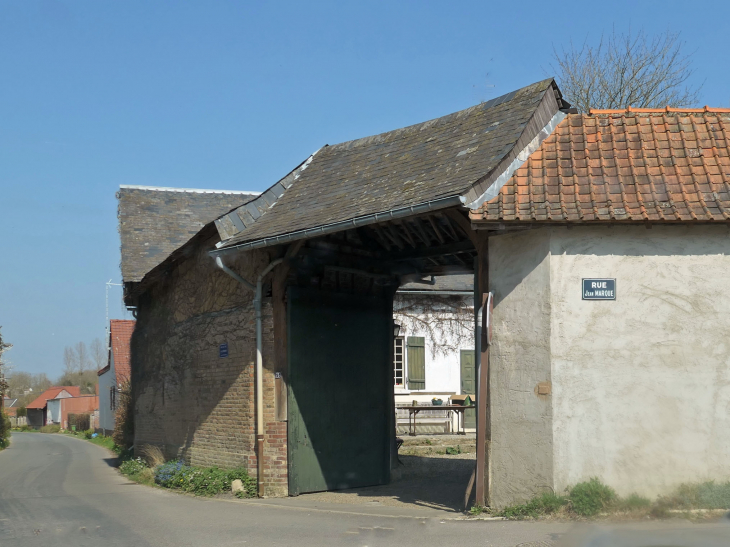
[(416, 362)]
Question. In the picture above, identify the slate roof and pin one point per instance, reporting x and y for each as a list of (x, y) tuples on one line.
[(455, 283), (120, 335), (445, 157), (51, 393), (153, 222), (636, 165)]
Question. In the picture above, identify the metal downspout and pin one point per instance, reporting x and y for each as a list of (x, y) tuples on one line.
[(259, 390)]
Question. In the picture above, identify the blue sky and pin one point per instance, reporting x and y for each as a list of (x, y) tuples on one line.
[(232, 95)]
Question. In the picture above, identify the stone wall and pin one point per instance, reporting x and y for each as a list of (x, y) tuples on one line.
[(191, 402)]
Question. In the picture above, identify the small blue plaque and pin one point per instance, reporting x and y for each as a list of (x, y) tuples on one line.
[(599, 289), (223, 350)]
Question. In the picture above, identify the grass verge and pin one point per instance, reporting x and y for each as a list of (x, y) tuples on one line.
[(200, 481), (592, 498)]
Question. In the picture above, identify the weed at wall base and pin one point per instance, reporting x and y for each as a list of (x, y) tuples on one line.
[(591, 498)]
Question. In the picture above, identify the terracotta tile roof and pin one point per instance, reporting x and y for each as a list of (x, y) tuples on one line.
[(637, 165), (52, 393), (121, 337)]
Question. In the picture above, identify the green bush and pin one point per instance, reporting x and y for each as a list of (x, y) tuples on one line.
[(88, 433), (203, 481), (634, 502), (132, 467), (123, 434), (82, 422), (5, 427), (51, 428), (212, 480), (544, 504), (591, 497), (706, 495)]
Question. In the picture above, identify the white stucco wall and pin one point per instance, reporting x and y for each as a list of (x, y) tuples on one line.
[(106, 415), (638, 389), (641, 385), (521, 421)]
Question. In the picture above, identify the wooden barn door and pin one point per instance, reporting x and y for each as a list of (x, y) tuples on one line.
[(340, 390)]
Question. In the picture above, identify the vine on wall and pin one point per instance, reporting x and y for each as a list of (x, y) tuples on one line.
[(447, 321)]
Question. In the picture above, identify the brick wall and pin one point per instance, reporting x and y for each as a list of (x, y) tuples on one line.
[(189, 401)]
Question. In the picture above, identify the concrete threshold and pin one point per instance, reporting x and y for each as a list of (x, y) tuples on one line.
[(374, 509)]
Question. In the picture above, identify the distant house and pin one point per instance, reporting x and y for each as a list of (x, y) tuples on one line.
[(434, 349), (115, 373), (40, 412), (86, 404)]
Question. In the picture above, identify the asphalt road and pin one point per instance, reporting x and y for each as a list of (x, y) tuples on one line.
[(60, 491)]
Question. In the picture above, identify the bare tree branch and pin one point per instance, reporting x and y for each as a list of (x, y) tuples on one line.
[(627, 70), (98, 353), (448, 321)]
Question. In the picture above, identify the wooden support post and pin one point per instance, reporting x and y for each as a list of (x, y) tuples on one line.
[(483, 418)]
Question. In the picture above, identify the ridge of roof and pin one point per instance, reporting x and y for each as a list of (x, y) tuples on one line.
[(51, 393), (394, 170), (193, 190), (631, 109)]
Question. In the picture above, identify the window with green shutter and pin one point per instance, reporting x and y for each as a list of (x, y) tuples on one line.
[(416, 362)]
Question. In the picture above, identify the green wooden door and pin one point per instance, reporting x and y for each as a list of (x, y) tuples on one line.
[(416, 362), (468, 384), (340, 389)]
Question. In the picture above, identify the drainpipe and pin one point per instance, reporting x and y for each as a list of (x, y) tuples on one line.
[(259, 361)]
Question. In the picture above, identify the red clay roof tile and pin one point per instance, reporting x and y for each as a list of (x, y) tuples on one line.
[(651, 165), (52, 393)]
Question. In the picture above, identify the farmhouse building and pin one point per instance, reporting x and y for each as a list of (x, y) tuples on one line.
[(46, 408), (115, 374), (265, 339)]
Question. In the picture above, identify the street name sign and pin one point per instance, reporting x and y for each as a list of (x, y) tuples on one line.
[(599, 289)]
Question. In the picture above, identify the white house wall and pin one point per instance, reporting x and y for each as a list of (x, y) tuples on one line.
[(106, 382), (443, 371), (641, 385)]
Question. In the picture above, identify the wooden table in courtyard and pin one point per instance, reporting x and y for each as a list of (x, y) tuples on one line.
[(414, 410)]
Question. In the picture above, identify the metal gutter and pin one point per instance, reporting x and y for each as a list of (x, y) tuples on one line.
[(393, 214), (259, 370), (439, 293)]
